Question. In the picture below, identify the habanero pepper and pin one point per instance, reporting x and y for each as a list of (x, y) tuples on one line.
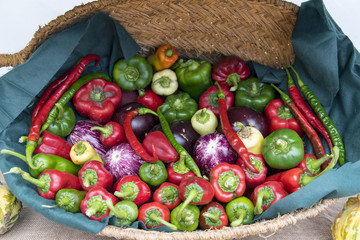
[(231, 135), (150, 99), (35, 128), (94, 204), (97, 100), (228, 181), (132, 188), (154, 215), (112, 133), (126, 211), (209, 99), (168, 194), (187, 219), (64, 122), (178, 170), (154, 174), (213, 216), (93, 173), (46, 161), (240, 211), (254, 179), (68, 199), (164, 57), (50, 181), (156, 144)]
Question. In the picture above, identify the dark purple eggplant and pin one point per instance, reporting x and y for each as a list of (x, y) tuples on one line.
[(128, 97), (140, 124), (183, 132)]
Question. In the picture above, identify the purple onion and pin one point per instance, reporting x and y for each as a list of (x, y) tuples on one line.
[(122, 160), (82, 132), (212, 149)]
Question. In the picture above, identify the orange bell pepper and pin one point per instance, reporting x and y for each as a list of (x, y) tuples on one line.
[(164, 57)]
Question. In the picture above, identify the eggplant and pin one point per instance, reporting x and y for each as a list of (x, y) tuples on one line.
[(140, 124), (183, 133), (128, 97)]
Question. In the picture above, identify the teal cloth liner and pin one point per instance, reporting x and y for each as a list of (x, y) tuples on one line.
[(326, 60)]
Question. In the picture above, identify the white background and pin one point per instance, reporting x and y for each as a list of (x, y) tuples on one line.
[(19, 19)]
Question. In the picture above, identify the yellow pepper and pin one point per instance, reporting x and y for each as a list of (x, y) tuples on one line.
[(82, 152), (251, 137)]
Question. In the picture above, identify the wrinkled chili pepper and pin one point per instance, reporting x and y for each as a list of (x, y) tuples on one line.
[(253, 179), (35, 128), (126, 212), (112, 133), (305, 125), (213, 216), (149, 99), (94, 204), (168, 194), (154, 215), (93, 173), (178, 170), (50, 181), (132, 188), (231, 135)]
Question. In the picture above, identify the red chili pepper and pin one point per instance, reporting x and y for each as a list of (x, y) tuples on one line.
[(213, 216), (93, 173), (267, 194), (209, 99), (231, 135), (50, 181), (228, 181), (168, 194), (177, 171), (94, 204), (112, 133), (254, 179), (35, 128), (150, 99), (98, 99), (132, 188), (280, 116), (156, 144), (154, 215), (230, 71), (305, 110), (53, 145), (304, 124), (132, 139)]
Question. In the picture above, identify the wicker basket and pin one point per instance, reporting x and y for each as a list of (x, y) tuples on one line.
[(253, 30)]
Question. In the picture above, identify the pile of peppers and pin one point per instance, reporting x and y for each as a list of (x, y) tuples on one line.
[(169, 189)]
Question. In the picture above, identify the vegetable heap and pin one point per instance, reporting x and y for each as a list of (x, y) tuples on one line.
[(174, 142)]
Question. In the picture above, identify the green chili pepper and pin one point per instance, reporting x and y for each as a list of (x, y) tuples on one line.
[(188, 220), (240, 211), (64, 122), (153, 174), (179, 106), (46, 161), (126, 211), (69, 199), (133, 75)]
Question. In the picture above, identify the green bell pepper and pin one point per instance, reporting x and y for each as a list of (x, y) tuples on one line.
[(240, 211), (179, 106), (194, 77), (69, 199), (254, 94), (189, 217), (126, 211), (153, 174), (283, 149), (64, 122), (133, 75)]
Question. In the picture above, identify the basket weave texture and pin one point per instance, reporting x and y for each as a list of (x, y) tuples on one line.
[(253, 30)]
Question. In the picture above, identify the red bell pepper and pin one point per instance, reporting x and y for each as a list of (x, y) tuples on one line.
[(112, 133), (94, 204), (177, 171), (213, 216), (209, 99), (311, 165), (167, 194), (156, 144), (132, 188), (50, 181), (93, 173), (53, 145), (267, 194), (154, 215), (97, 100), (150, 99), (280, 116), (228, 181), (230, 71), (253, 179)]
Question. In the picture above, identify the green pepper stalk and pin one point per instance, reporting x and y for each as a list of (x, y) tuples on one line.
[(240, 211), (187, 219), (126, 211)]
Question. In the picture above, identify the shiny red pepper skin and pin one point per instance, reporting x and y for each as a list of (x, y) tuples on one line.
[(210, 213), (175, 177), (54, 145), (97, 100), (139, 198), (112, 133), (144, 215), (100, 194), (209, 99), (254, 179), (218, 182), (93, 173), (150, 99), (208, 191), (168, 194), (279, 116), (156, 144)]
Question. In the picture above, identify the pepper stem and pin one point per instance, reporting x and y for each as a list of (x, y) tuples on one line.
[(290, 79), (80, 148), (211, 216), (25, 175), (280, 144), (221, 94), (203, 116), (18, 155), (121, 214), (263, 194), (30, 148), (163, 81), (192, 195), (169, 52), (297, 77), (158, 219), (233, 80), (240, 215), (283, 95), (314, 165), (60, 109), (180, 166), (105, 131)]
